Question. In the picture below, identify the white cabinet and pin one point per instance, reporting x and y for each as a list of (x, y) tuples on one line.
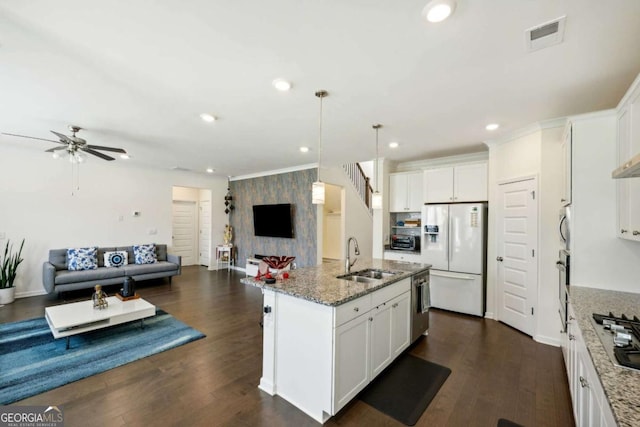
[(405, 256), (406, 191), (462, 183), (590, 405), (628, 144), (368, 343), (565, 198), (352, 341), (319, 357)]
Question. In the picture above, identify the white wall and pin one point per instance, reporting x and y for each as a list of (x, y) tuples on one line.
[(534, 151), (599, 259), (36, 204), (358, 221)]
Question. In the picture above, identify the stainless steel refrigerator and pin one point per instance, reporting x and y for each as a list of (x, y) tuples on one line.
[(454, 243)]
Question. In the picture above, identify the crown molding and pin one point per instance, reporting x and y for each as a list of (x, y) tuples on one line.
[(274, 172)]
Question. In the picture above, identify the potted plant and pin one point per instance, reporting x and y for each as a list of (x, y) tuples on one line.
[(9, 263)]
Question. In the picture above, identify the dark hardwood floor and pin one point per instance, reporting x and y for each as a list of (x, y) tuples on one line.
[(497, 372)]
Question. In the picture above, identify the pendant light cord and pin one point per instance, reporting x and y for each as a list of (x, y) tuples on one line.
[(320, 94), (377, 128)]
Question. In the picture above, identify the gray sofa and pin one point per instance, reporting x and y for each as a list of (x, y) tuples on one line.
[(56, 277)]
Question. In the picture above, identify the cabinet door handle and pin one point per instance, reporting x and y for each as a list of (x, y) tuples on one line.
[(370, 319), (583, 382), (563, 200), (500, 259), (356, 309), (636, 232), (622, 231), (572, 318), (572, 337)]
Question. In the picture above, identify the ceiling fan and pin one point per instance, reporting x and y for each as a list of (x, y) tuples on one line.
[(73, 145)]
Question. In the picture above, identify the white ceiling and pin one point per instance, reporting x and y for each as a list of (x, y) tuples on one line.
[(136, 74)]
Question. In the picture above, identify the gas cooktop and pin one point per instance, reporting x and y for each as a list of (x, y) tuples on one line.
[(620, 337)]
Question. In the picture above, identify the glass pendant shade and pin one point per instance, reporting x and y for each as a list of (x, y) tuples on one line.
[(317, 193), (376, 200)]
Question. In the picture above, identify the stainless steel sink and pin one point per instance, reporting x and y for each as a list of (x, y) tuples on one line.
[(354, 278), (374, 273), (368, 275)]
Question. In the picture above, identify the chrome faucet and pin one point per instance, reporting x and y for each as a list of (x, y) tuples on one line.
[(347, 262)]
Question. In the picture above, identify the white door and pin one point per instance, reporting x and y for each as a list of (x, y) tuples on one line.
[(438, 184), (204, 221), (400, 323), (435, 244), (466, 238), (517, 232), (185, 225), (351, 363)]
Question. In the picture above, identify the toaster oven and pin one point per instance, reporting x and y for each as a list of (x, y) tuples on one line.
[(405, 242)]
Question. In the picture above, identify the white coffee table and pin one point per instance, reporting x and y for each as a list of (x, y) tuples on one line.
[(76, 318)]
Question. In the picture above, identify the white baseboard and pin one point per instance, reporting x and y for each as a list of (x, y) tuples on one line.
[(489, 315), (30, 293), (547, 340)]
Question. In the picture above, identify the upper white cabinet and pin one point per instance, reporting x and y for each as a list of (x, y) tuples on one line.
[(565, 198), (406, 191), (628, 144), (463, 183)]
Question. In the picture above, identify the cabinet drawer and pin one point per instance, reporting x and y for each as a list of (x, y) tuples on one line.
[(351, 310), (390, 292)]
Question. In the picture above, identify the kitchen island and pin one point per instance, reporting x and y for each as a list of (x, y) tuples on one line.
[(621, 386), (325, 338)]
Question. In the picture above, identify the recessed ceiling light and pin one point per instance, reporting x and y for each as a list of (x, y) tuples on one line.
[(209, 170), (438, 10), (281, 85), (393, 145), (124, 156), (208, 117), (492, 126), (304, 149)]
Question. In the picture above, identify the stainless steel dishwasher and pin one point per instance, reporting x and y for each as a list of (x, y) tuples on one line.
[(420, 303)]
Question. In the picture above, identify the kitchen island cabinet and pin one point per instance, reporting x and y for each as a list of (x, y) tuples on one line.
[(326, 338)]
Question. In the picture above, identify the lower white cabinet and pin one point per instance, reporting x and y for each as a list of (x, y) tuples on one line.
[(590, 405), (405, 256), (319, 357)]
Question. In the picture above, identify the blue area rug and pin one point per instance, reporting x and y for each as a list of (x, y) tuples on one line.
[(32, 361)]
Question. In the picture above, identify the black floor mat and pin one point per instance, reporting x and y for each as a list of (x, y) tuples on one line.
[(506, 423), (405, 389)]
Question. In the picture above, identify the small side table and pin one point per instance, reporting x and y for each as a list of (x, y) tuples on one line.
[(225, 256)]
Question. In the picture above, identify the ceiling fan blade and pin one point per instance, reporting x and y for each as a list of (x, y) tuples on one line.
[(51, 150), (64, 138), (100, 147), (96, 153), (32, 137)]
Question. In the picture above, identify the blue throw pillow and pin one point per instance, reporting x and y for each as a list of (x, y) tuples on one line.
[(115, 259), (82, 258), (145, 254)]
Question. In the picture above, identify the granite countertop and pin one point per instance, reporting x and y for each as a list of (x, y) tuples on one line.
[(319, 283), (621, 386)]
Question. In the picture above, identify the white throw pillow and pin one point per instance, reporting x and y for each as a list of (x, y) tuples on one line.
[(115, 258)]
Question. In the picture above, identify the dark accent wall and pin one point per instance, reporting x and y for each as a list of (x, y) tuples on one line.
[(291, 187)]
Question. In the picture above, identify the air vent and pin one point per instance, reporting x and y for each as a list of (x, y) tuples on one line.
[(545, 35)]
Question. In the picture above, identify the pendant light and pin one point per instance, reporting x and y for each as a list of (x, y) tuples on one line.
[(376, 198), (317, 188)]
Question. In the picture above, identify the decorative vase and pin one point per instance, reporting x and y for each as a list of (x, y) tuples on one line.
[(7, 295)]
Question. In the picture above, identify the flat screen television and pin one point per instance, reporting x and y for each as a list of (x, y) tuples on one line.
[(273, 220)]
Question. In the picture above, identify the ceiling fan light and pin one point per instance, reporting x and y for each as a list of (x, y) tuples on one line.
[(438, 10), (124, 156)]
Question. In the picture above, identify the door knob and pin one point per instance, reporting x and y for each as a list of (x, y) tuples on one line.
[(500, 259), (636, 232)]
